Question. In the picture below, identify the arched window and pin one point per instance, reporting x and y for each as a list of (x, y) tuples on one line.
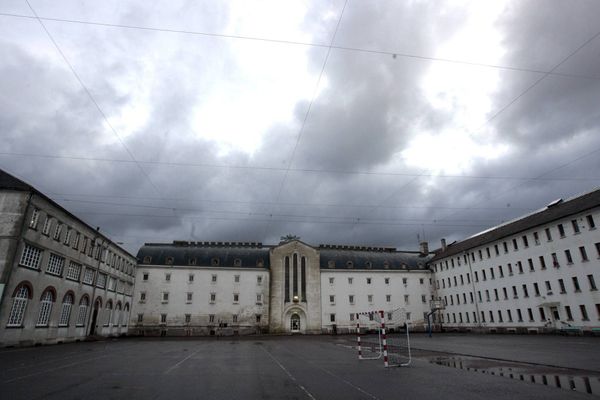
[(108, 313), (126, 314), (117, 316), (46, 302), (83, 306), (65, 312), (17, 312)]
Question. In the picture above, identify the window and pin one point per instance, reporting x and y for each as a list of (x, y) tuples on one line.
[(76, 241), (165, 297), (583, 253), (188, 318), (168, 277), (47, 225), (55, 264), (332, 299), (350, 281), (592, 282), (548, 287), (351, 299), (536, 289), (388, 298), (17, 311), (190, 278), (536, 238), (46, 303), (236, 279), (211, 318), (515, 294), (576, 284), (530, 262), (259, 298), (555, 261), (145, 277), (101, 281), (496, 250), (423, 298), (68, 237), (368, 281), (584, 314), (575, 226), (548, 234), (519, 315), (163, 318), (88, 276), (525, 241), (169, 260), (569, 314), (561, 230), (30, 257), (351, 316), (65, 311), (214, 262), (568, 257), (142, 297), (505, 292), (83, 306), (189, 297), (258, 318), (214, 278), (237, 262), (589, 219), (515, 245), (597, 248), (530, 313), (510, 270), (192, 261), (332, 317), (542, 314), (406, 299), (520, 266), (561, 283), (331, 281), (370, 298), (387, 281), (542, 262), (213, 297), (525, 293), (505, 247), (147, 260)]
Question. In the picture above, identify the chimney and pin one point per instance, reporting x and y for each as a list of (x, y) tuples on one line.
[(423, 248), (444, 247)]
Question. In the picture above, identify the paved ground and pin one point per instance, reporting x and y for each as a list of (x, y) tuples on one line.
[(273, 368)]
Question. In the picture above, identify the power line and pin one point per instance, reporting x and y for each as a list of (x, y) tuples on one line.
[(91, 97), (282, 169), (298, 43)]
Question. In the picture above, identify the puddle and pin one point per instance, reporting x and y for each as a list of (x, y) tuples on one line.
[(563, 378)]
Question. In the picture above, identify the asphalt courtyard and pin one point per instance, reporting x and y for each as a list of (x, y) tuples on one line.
[(298, 367)]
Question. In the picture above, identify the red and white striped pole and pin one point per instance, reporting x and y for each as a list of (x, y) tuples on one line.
[(384, 341), (358, 335)]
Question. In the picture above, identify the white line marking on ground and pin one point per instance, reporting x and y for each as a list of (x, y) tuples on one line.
[(18, 378), (336, 376), (180, 362), (289, 374)]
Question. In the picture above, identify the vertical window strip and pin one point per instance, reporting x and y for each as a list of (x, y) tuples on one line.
[(303, 278), (287, 279), (295, 274)]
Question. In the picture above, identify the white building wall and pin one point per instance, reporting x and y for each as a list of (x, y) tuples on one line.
[(147, 314), (341, 284), (472, 268)]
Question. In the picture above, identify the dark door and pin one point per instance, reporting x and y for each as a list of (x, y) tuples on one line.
[(94, 318)]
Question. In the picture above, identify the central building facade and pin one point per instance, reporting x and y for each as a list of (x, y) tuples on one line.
[(224, 288)]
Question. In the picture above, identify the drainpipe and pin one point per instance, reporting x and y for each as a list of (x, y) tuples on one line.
[(474, 291)]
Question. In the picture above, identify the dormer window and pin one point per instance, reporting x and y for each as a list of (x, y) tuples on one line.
[(237, 262), (331, 264), (147, 260), (386, 264), (214, 261), (169, 260), (350, 264), (260, 262), (192, 261), (369, 265)]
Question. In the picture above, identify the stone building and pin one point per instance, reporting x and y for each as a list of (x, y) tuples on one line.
[(60, 279), (198, 288), (536, 273)]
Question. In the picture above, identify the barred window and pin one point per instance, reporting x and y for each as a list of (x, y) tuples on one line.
[(47, 225), (55, 264), (101, 282), (45, 308), (65, 311), (83, 306), (117, 316), (88, 276), (15, 318), (31, 257), (35, 216), (74, 271), (57, 231), (68, 237)]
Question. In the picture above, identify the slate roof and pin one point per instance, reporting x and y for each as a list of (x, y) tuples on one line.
[(554, 211), (389, 259), (250, 255)]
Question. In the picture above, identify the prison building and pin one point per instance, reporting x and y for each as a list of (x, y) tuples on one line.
[(537, 273), (223, 288), (60, 279)]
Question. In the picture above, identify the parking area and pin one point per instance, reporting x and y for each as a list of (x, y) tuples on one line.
[(286, 367)]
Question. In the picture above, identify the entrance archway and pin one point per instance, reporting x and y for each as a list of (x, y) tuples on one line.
[(295, 323)]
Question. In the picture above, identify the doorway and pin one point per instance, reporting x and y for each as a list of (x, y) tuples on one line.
[(295, 323), (94, 318)]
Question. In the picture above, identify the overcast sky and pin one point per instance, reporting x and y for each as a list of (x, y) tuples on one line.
[(342, 122)]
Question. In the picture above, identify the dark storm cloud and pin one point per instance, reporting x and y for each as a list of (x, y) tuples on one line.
[(368, 109)]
